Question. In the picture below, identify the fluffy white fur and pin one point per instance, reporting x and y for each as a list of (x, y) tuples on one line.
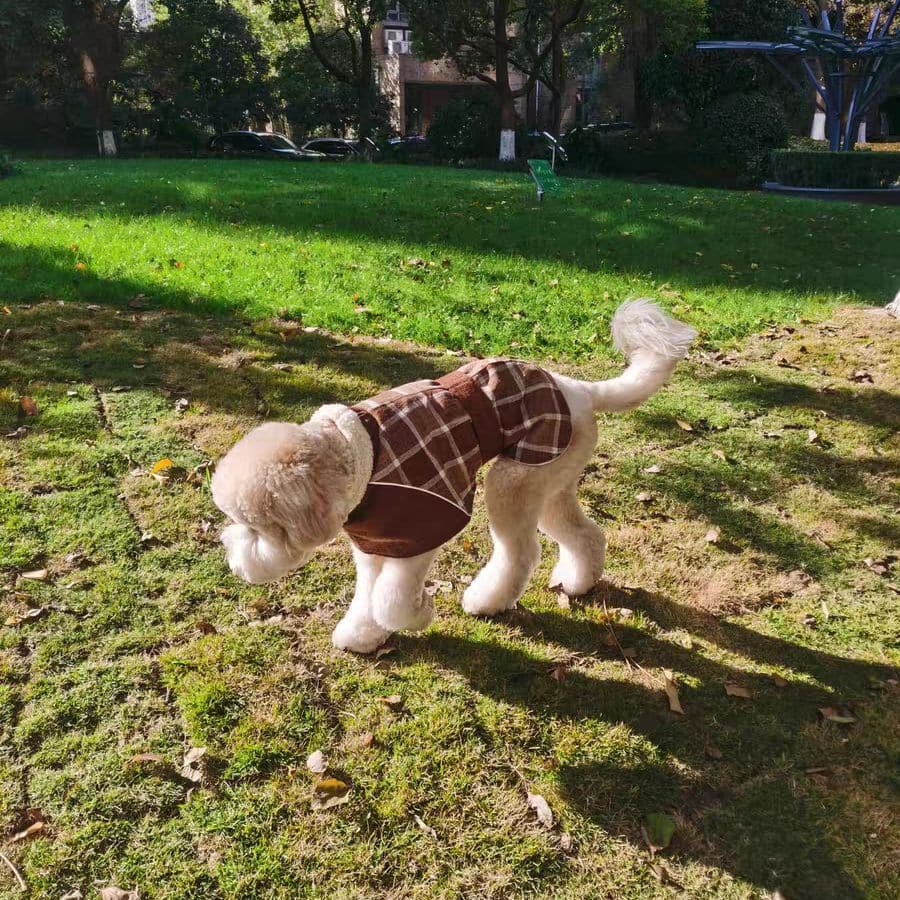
[(290, 488)]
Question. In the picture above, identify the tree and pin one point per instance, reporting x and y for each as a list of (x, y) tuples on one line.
[(554, 74), (340, 37), (647, 35), (312, 97), (96, 35), (206, 66), (490, 41)]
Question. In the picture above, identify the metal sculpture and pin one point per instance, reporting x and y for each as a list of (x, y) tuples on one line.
[(853, 71)]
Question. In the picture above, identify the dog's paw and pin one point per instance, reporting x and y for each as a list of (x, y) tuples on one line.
[(480, 599), (358, 637), (574, 580), (400, 615)]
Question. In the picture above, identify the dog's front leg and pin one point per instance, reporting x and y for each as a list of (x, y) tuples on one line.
[(358, 631), (399, 602)]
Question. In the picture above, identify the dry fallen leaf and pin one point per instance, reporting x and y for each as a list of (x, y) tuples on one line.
[(316, 763), (838, 716), (366, 740), (161, 466), (147, 760), (423, 827), (653, 470), (542, 809), (114, 893), (779, 681), (712, 751), (559, 672), (562, 600), (394, 701), (644, 497), (384, 651), (194, 767), (658, 830), (672, 692), (29, 616), (181, 404), (713, 536), (36, 575), (684, 426), (733, 689), (330, 792), (205, 627), (29, 406), (34, 829), (812, 436), (565, 842), (720, 454)]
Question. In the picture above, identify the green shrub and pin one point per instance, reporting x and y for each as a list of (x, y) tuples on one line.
[(468, 128), (740, 132), (670, 154), (861, 169)]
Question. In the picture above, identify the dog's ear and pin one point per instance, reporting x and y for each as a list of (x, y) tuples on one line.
[(256, 557)]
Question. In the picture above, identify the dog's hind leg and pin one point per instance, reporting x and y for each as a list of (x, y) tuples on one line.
[(582, 544), (399, 602), (358, 631), (514, 496)]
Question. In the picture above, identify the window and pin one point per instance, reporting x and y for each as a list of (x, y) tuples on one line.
[(396, 13)]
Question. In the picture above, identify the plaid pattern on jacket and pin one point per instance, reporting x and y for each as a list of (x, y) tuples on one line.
[(431, 437)]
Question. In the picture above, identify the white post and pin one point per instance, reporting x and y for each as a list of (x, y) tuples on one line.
[(818, 127), (861, 139), (107, 142), (507, 144)]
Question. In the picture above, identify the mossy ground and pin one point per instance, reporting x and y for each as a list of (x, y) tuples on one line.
[(147, 644)]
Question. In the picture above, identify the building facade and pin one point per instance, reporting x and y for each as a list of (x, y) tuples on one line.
[(416, 88)]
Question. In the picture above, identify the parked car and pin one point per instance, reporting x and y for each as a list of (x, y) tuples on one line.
[(333, 148), (260, 144)]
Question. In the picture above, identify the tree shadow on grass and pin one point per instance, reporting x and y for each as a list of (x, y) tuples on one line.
[(745, 813), (597, 228), (265, 368)]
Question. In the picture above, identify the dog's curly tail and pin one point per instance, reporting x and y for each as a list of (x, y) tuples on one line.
[(653, 343)]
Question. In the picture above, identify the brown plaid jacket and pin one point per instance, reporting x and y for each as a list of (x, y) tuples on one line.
[(431, 437)]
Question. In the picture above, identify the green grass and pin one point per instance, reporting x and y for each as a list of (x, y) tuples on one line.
[(331, 245), (147, 644)]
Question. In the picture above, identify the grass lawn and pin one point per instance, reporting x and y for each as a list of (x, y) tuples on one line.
[(136, 644), (456, 259)]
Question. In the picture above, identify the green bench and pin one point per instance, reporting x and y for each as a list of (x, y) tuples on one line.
[(544, 178)]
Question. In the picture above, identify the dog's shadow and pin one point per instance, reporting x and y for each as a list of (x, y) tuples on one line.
[(665, 761)]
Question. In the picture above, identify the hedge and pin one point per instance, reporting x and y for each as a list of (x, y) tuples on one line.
[(860, 169)]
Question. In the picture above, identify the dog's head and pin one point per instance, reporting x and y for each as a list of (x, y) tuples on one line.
[(284, 487)]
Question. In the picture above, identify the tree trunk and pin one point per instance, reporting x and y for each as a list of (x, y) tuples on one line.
[(507, 150), (96, 43), (557, 77), (507, 127), (643, 41), (366, 84), (100, 104)]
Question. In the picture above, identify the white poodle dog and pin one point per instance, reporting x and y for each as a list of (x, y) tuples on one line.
[(397, 474)]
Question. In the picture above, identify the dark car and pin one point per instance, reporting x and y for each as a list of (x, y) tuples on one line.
[(333, 148), (259, 144)]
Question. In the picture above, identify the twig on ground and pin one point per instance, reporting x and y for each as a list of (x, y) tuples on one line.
[(16, 873), (628, 662)]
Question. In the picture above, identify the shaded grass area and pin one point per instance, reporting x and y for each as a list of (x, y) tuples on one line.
[(146, 644), (458, 259)]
